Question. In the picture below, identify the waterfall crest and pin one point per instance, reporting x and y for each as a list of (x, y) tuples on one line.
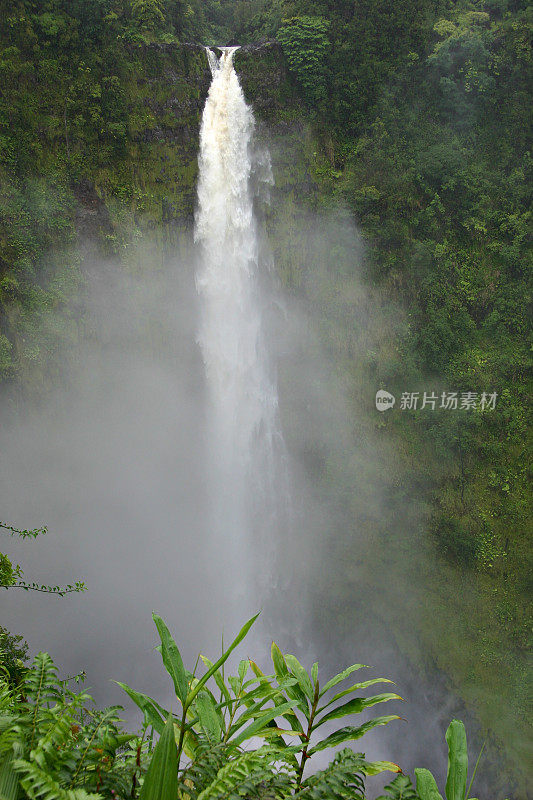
[(242, 424)]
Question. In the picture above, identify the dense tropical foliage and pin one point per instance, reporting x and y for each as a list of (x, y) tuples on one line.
[(249, 735)]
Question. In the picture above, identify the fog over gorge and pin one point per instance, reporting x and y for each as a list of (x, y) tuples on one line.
[(123, 465)]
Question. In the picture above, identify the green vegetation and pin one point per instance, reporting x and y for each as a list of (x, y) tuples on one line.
[(305, 43), (13, 655), (13, 650), (11, 575), (413, 116), (457, 774), (54, 745), (247, 709), (456, 780), (426, 142), (249, 736)]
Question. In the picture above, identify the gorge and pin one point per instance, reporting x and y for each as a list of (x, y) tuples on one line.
[(199, 308)]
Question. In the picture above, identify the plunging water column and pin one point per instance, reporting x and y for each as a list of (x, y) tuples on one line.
[(242, 404)]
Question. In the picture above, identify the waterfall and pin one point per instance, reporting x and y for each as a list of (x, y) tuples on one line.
[(242, 425)]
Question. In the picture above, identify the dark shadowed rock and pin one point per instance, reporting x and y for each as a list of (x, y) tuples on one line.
[(91, 217)]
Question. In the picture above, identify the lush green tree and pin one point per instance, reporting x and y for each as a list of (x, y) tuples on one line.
[(148, 13), (13, 655), (305, 43)]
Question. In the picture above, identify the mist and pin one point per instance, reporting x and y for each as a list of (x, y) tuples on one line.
[(117, 461), (114, 461)]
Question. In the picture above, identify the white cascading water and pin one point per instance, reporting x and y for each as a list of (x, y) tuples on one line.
[(243, 405)]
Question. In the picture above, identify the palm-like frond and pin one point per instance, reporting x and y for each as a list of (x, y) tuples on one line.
[(251, 775), (40, 785), (343, 779), (400, 788), (41, 684), (53, 746)]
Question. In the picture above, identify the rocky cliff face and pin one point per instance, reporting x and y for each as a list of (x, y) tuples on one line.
[(166, 90), (114, 163)]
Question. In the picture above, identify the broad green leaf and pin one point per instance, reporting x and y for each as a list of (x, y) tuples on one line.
[(217, 706), (350, 733), (304, 681), (161, 781), (377, 767), (457, 761), (172, 659), (147, 706), (243, 669), (355, 687), (208, 715), (262, 722), (223, 658), (219, 680), (426, 788), (356, 705), (282, 672), (256, 670), (280, 667), (314, 672), (340, 677)]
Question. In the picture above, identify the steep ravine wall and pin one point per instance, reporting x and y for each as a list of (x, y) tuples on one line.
[(112, 174), (166, 90)]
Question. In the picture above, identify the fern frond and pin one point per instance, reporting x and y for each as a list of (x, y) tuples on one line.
[(9, 737), (343, 779), (39, 785), (400, 788), (249, 775), (105, 718), (41, 687), (202, 771), (9, 779), (41, 684), (56, 738), (6, 695)]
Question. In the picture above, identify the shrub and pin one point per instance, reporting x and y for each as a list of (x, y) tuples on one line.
[(284, 710), (305, 44), (455, 541)]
